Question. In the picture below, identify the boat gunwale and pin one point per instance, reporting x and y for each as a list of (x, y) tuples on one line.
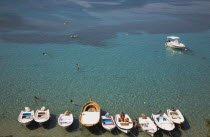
[(90, 103)]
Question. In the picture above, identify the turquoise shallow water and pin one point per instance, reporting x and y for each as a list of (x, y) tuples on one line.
[(132, 70), (122, 58)]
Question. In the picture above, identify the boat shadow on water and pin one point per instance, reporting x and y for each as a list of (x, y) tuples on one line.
[(185, 125), (115, 132), (161, 133), (97, 129), (174, 133), (134, 132), (33, 125), (51, 123), (74, 127)]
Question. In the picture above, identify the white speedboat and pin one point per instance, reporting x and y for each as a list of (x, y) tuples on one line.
[(173, 42), (147, 125), (108, 122), (175, 116), (42, 115), (26, 116), (163, 122), (66, 119), (126, 125)]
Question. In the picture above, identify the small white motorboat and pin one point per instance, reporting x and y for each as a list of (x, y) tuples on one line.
[(42, 115), (125, 124), (147, 125), (175, 116), (26, 116), (66, 119), (173, 42), (163, 122), (108, 122)]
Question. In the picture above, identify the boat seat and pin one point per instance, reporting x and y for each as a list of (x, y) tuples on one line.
[(144, 124), (26, 114), (106, 120), (41, 114), (124, 124), (26, 117), (65, 122), (175, 115), (161, 119), (108, 123), (92, 110)]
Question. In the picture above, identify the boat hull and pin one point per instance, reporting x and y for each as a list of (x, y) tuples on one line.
[(175, 116), (108, 123), (25, 118), (175, 46), (163, 122), (124, 126), (148, 126), (65, 121), (42, 116), (90, 114)]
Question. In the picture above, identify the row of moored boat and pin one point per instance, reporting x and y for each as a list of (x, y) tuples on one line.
[(90, 116)]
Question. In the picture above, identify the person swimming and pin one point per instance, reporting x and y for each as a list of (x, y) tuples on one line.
[(66, 22), (44, 54), (37, 98), (77, 67), (72, 102)]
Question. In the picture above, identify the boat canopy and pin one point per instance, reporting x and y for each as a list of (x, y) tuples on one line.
[(172, 37)]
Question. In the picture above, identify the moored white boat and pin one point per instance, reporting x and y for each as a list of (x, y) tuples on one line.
[(108, 122), (147, 125), (175, 116), (90, 114), (173, 42), (66, 119), (26, 116), (163, 122), (42, 115), (124, 126)]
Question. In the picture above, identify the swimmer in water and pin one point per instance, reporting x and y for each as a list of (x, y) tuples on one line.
[(77, 67), (66, 22), (44, 54), (72, 101), (37, 98)]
